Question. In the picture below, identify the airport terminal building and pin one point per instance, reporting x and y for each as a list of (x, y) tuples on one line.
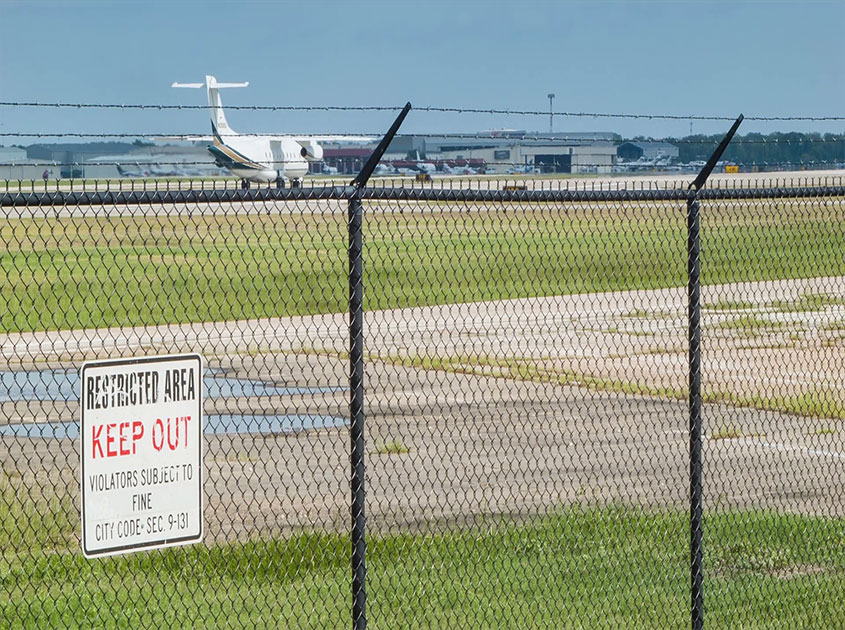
[(492, 152), (105, 160), (505, 151), (517, 151), (16, 165)]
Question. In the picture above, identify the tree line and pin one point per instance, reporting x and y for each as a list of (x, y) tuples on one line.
[(764, 149)]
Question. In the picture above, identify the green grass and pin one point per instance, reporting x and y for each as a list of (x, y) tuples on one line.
[(646, 314), (33, 515), (392, 447), (579, 568), (813, 403), (730, 305), (752, 323), (726, 433), (60, 273), (809, 302)]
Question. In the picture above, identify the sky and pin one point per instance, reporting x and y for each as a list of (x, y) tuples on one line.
[(683, 58)]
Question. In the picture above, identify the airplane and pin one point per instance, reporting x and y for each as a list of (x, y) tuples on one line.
[(458, 170), (384, 169), (527, 169), (642, 163), (264, 158), (424, 167), (410, 167), (128, 172), (134, 166)]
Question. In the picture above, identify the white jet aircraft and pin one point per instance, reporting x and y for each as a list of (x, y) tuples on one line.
[(263, 158)]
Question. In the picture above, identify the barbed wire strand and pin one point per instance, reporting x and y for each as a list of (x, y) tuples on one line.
[(739, 140), (427, 108)]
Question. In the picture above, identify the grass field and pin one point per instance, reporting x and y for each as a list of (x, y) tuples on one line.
[(609, 568), (119, 271)]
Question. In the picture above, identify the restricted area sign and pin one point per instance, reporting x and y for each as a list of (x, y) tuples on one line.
[(141, 432)]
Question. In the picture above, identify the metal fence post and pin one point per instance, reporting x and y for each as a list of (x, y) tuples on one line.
[(694, 314), (356, 378), (356, 411)]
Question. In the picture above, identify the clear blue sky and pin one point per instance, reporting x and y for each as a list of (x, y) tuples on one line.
[(761, 58)]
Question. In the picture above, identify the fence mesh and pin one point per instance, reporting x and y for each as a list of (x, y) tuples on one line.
[(526, 418), (772, 352)]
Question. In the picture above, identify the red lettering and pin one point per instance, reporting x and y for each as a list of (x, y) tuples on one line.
[(96, 431), (175, 442), (159, 428), (137, 433), (118, 439), (124, 438), (110, 452)]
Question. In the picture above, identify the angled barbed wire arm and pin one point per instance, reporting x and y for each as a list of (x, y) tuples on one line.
[(695, 420), (701, 179), (363, 177), (356, 378)]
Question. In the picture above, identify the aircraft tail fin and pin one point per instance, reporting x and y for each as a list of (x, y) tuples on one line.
[(219, 125)]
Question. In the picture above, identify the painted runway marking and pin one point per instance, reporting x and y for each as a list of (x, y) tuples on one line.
[(774, 446)]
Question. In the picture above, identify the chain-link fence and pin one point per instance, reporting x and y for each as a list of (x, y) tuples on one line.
[(519, 407)]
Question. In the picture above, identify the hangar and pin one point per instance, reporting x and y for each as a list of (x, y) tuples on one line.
[(500, 151), (100, 160), (15, 165), (504, 151)]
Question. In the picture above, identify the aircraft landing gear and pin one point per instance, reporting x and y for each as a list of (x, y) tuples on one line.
[(296, 183), (244, 184), (280, 182)]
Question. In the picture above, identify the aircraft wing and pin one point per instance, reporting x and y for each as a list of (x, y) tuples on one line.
[(326, 138), (187, 138), (278, 138)]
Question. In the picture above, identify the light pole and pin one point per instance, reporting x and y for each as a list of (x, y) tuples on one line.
[(551, 113)]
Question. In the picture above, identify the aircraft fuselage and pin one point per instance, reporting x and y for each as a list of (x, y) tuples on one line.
[(259, 159)]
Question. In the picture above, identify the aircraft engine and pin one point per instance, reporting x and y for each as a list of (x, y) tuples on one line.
[(311, 151)]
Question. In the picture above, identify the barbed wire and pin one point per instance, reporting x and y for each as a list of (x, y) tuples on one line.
[(328, 108), (187, 137), (425, 108)]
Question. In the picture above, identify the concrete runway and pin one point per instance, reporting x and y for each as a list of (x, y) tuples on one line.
[(650, 181), (527, 406), (662, 179), (512, 408)]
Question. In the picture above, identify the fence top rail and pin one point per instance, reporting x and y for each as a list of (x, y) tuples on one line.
[(507, 193)]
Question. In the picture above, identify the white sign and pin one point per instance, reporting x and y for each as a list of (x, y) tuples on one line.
[(141, 454)]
